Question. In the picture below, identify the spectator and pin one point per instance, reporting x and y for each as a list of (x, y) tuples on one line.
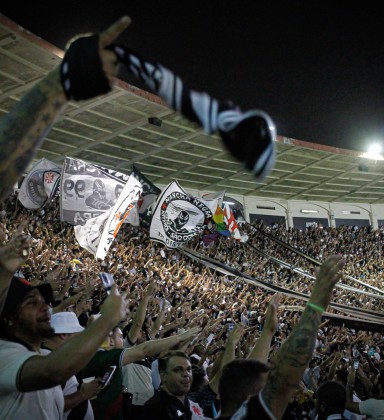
[(109, 403), (330, 401), (171, 401), (29, 384), (373, 408), (241, 379), (76, 396)]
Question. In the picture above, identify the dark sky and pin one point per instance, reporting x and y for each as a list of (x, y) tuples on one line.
[(315, 67)]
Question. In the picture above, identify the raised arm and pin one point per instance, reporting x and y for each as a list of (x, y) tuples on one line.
[(45, 372), (263, 345), (229, 355), (290, 361), (25, 127), (139, 317), (12, 255), (155, 347)]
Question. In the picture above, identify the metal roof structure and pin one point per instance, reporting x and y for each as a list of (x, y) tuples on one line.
[(114, 131)]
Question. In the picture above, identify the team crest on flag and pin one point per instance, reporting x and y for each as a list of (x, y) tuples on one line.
[(40, 185), (179, 216)]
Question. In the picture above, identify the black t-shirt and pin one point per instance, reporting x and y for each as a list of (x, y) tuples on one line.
[(163, 406)]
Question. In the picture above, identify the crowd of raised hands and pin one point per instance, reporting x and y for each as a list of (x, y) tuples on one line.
[(182, 294)]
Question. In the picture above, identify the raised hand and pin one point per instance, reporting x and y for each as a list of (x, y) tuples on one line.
[(270, 323), (14, 253), (189, 334), (236, 333), (115, 305), (330, 272), (110, 63)]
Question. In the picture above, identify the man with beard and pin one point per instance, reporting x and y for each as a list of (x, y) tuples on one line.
[(30, 377)]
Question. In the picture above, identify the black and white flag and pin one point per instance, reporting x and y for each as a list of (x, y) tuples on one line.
[(40, 185), (87, 190), (98, 233), (179, 216)]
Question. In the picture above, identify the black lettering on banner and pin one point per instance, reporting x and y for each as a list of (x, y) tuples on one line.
[(78, 187)]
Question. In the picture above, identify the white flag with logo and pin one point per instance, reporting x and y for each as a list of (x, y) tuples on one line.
[(99, 232), (40, 184), (88, 190), (179, 216)]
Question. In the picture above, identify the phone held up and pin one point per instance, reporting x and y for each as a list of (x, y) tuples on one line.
[(107, 376), (107, 280)]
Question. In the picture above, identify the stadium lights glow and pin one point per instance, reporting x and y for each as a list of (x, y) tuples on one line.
[(374, 152), (375, 149), (308, 211)]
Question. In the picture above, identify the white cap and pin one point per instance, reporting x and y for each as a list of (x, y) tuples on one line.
[(65, 323)]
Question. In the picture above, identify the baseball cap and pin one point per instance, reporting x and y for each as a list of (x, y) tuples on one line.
[(19, 287), (65, 323)]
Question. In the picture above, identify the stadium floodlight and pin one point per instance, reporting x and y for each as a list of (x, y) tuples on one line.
[(375, 149), (374, 152)]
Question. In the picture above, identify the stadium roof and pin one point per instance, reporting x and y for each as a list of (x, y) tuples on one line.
[(114, 131)]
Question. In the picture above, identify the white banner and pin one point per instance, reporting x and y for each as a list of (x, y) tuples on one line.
[(125, 204), (98, 233), (87, 190), (39, 184), (88, 235), (178, 216)]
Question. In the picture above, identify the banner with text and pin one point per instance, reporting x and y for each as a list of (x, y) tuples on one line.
[(178, 216), (87, 190)]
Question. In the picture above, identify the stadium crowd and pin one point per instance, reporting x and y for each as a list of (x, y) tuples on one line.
[(171, 338), (169, 294)]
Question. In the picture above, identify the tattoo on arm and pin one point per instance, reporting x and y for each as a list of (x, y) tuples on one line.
[(290, 362), (24, 128)]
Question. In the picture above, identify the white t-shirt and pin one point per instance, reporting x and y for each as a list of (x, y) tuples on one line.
[(374, 409), (137, 378), (353, 416), (46, 404)]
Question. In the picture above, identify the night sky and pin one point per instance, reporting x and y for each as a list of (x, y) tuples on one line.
[(315, 67)]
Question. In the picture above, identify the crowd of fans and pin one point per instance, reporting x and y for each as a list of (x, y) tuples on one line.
[(169, 294), (171, 338)]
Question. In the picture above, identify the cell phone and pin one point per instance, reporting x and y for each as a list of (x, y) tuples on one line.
[(107, 376), (107, 280), (210, 338), (355, 365)]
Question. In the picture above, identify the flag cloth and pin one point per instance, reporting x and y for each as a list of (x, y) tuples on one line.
[(179, 216), (221, 227), (150, 191), (87, 190), (40, 184), (231, 222), (98, 233), (219, 196)]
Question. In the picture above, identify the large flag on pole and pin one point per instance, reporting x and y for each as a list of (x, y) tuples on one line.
[(40, 185), (98, 233), (87, 190), (179, 216)]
